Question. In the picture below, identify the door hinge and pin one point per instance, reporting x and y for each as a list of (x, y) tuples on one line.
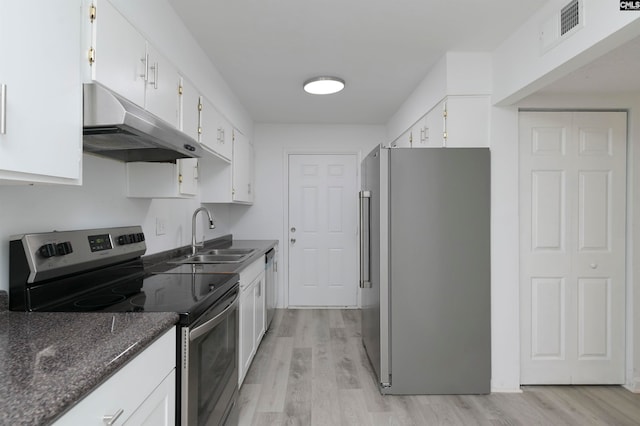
[(180, 90), (91, 56), (199, 105), (92, 13), (180, 178)]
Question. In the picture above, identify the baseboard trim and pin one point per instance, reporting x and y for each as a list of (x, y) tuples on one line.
[(632, 387), (506, 390)]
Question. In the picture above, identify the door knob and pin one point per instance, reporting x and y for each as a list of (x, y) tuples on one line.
[(293, 229), (594, 266), (293, 241)]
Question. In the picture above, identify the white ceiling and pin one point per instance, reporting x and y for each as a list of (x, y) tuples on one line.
[(266, 49), (614, 72)]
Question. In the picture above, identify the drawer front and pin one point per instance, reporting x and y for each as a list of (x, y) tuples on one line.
[(128, 388), (249, 274)]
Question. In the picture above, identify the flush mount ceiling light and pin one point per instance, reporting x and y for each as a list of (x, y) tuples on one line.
[(323, 85)]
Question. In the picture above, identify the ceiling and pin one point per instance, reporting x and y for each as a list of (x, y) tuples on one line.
[(266, 49), (614, 72)]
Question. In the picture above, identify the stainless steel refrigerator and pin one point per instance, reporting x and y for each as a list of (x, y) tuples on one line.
[(425, 269)]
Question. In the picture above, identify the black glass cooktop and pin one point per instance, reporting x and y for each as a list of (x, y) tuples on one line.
[(129, 289)]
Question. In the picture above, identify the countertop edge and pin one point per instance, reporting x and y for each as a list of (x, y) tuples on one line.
[(84, 365)]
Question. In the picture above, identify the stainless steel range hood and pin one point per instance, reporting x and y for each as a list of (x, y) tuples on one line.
[(116, 128)]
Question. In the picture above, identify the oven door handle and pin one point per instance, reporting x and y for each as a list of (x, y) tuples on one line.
[(213, 322)]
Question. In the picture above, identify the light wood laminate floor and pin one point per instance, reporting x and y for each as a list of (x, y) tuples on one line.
[(311, 369)]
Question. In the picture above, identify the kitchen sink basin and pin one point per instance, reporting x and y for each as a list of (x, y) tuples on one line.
[(217, 256), (228, 251)]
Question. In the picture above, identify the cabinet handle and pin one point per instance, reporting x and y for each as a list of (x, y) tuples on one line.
[(154, 67), (249, 188), (110, 420), (145, 74), (3, 109)]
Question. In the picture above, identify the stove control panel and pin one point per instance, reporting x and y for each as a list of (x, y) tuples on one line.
[(54, 254), (130, 238), (55, 249)]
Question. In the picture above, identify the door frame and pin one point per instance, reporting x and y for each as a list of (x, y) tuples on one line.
[(285, 207), (628, 273)]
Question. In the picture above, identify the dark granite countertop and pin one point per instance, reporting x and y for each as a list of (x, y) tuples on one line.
[(158, 262), (50, 361)]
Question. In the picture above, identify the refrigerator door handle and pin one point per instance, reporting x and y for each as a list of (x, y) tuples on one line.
[(365, 280)]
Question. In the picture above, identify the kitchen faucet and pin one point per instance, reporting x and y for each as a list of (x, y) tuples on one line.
[(212, 225)]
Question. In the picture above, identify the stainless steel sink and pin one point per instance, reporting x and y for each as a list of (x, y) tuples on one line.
[(228, 251), (217, 256)]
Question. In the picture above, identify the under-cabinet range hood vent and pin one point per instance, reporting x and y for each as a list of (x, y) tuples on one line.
[(116, 128)]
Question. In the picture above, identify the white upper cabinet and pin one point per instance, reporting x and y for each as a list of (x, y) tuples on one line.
[(403, 141), (420, 134), (163, 87), (242, 190), (189, 109), (221, 182), (466, 121), (162, 180), (457, 121), (41, 96), (118, 53), (434, 123), (121, 59), (215, 131)]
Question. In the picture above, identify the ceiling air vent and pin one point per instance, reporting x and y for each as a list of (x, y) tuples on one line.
[(561, 25), (569, 17)]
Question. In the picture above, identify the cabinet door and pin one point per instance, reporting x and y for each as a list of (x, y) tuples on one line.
[(159, 407), (163, 84), (225, 137), (467, 121), (131, 388), (247, 336), (42, 106), (420, 134), (242, 166), (162, 180), (404, 141), (434, 122), (188, 176), (260, 311), (213, 133), (121, 61), (189, 109)]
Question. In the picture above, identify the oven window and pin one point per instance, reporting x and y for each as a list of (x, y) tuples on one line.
[(217, 366)]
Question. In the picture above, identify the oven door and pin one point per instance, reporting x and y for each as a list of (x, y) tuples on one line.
[(209, 379)]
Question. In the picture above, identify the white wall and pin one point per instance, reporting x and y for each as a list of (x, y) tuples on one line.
[(99, 202), (265, 219), (521, 67)]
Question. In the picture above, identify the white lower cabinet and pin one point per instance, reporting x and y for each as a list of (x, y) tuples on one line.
[(252, 314), (140, 393)]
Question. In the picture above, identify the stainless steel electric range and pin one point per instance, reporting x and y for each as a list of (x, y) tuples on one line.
[(102, 270)]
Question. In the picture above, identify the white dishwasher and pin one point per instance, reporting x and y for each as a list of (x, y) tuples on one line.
[(270, 274)]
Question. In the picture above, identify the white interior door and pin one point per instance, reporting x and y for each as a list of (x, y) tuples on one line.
[(322, 230), (572, 247)]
